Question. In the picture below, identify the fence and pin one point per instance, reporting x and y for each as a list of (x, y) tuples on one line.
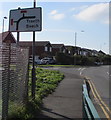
[(13, 77), (89, 111)]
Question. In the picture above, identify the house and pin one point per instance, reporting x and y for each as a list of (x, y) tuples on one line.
[(69, 49), (58, 48), (94, 53), (85, 52), (72, 50), (77, 50), (7, 37), (42, 48), (101, 52)]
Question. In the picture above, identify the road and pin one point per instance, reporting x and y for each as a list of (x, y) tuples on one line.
[(99, 77), (66, 101)]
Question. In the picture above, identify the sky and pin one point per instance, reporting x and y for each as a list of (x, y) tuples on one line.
[(60, 21)]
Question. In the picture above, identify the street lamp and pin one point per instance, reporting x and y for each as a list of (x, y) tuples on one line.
[(75, 47), (3, 26)]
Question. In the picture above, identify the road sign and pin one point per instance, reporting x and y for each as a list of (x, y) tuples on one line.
[(25, 20)]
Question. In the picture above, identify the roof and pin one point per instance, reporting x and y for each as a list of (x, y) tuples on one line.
[(7, 36), (101, 52), (68, 46), (85, 49), (37, 43), (57, 45)]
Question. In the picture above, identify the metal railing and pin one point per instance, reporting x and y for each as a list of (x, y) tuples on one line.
[(89, 111)]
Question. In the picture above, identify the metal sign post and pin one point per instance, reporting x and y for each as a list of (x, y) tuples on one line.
[(18, 36), (75, 49), (33, 66)]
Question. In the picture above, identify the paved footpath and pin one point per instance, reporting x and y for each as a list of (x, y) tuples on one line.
[(66, 101)]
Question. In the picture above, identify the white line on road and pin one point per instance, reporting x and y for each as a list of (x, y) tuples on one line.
[(82, 70), (108, 74), (79, 69)]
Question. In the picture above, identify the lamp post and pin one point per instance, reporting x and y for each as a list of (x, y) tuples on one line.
[(3, 26), (75, 50)]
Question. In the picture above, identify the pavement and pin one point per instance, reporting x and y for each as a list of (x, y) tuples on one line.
[(66, 102)]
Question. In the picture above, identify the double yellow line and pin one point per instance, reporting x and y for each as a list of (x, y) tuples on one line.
[(96, 95)]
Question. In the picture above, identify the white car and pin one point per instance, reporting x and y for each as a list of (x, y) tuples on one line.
[(38, 62), (47, 60)]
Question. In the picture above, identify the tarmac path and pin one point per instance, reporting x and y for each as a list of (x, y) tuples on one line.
[(66, 101)]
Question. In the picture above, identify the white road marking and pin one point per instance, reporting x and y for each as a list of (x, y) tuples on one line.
[(79, 69), (108, 74), (82, 70)]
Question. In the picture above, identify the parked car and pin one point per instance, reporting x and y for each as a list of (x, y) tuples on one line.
[(98, 63), (47, 60), (38, 62)]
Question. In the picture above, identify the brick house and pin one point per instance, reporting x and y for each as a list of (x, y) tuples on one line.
[(7, 37), (58, 48), (72, 50), (77, 50), (42, 48), (94, 53), (85, 52)]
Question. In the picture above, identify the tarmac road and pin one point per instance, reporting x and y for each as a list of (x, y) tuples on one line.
[(66, 101), (100, 78)]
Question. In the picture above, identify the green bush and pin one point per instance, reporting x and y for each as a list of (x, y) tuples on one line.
[(64, 59), (87, 61), (71, 60)]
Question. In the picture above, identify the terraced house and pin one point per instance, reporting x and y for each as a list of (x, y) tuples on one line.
[(42, 48), (46, 49), (58, 48)]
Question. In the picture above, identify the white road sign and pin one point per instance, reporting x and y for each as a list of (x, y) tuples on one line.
[(25, 20)]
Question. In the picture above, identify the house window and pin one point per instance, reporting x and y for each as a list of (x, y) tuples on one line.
[(64, 51), (50, 49), (46, 48)]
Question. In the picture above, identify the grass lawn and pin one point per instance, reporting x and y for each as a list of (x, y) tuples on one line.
[(47, 81), (59, 66)]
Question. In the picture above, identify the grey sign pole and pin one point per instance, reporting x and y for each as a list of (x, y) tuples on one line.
[(33, 66), (75, 49), (18, 34)]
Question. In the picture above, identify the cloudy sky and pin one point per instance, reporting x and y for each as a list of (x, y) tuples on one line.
[(62, 19)]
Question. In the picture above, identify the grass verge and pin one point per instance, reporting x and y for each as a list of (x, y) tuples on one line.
[(47, 81), (76, 66)]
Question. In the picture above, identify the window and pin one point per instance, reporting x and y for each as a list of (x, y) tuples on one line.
[(46, 48), (64, 51), (69, 51), (50, 49)]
